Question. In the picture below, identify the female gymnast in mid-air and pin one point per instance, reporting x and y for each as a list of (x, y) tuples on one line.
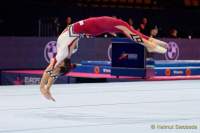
[(68, 40)]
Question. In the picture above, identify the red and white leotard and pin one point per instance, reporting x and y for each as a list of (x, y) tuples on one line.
[(98, 25), (92, 26)]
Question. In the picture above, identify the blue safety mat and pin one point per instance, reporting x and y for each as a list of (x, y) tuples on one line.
[(177, 63), (96, 63), (161, 67), (157, 63)]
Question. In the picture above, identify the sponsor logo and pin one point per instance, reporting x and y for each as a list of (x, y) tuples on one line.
[(178, 72), (18, 81), (50, 50), (81, 22), (188, 72), (106, 70), (26, 80), (172, 51), (167, 72), (31, 80), (127, 56), (96, 70)]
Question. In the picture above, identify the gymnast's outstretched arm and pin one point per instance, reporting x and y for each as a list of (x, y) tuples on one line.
[(47, 81)]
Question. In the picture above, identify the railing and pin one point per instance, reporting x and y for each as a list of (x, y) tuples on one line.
[(48, 27)]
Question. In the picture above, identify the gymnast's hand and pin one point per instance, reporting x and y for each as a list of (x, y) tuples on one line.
[(46, 82), (45, 90)]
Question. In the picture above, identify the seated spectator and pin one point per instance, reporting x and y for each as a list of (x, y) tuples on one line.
[(68, 21), (114, 16), (144, 26), (154, 32), (173, 33), (130, 22), (57, 26)]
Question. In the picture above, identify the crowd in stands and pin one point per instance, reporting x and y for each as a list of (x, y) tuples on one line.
[(144, 26), (53, 26)]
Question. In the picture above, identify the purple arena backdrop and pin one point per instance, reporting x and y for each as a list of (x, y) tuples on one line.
[(34, 52), (180, 49)]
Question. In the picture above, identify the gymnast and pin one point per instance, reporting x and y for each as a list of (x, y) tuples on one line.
[(68, 40)]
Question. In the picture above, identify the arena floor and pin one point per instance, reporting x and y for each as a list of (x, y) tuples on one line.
[(140, 107)]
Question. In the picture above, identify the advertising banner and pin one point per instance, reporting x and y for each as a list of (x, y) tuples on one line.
[(35, 52), (180, 49)]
